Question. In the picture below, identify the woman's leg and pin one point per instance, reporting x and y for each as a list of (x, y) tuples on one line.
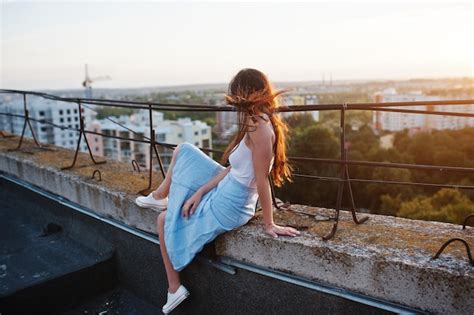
[(173, 275), (163, 190)]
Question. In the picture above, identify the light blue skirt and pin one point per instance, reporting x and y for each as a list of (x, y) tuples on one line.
[(226, 206)]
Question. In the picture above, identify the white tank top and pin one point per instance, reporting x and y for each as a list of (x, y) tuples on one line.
[(242, 165)]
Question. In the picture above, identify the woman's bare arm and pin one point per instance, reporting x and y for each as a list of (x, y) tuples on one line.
[(262, 154)]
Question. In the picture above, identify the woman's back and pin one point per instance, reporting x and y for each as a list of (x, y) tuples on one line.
[(242, 164)]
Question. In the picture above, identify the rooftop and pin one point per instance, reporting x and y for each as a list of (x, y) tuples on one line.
[(359, 261), (387, 258)]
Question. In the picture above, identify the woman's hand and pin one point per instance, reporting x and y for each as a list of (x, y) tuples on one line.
[(274, 229), (191, 204)]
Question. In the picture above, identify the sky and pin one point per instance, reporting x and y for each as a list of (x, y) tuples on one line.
[(45, 45)]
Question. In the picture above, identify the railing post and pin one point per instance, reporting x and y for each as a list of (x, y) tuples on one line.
[(81, 132), (135, 166), (150, 163), (466, 245), (467, 219), (340, 188), (353, 206), (154, 142), (343, 180), (152, 148), (26, 121), (285, 205)]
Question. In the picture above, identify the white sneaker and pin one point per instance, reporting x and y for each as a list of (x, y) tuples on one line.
[(150, 202), (174, 299)]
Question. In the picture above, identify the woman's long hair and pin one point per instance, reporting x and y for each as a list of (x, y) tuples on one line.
[(251, 93)]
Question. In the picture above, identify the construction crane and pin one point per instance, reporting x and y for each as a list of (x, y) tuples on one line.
[(87, 83)]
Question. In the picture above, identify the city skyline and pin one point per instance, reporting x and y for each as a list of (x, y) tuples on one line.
[(45, 45)]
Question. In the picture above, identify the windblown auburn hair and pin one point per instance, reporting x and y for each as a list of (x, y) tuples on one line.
[(251, 93)]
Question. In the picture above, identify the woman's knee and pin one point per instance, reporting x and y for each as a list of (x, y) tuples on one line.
[(182, 146), (178, 149), (175, 153)]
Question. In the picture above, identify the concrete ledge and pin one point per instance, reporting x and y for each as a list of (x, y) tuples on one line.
[(386, 257)]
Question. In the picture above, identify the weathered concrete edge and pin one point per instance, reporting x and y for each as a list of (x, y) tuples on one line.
[(374, 275), (85, 192)]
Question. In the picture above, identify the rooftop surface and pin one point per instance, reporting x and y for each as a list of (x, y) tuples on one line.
[(385, 257)]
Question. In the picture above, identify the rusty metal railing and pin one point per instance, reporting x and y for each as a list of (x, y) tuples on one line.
[(344, 180)]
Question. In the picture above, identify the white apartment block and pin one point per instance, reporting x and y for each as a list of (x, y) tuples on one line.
[(312, 100), (451, 122), (168, 131), (304, 99), (59, 113), (393, 121), (289, 100)]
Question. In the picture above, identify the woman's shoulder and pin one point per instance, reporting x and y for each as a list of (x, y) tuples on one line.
[(261, 130), (259, 120)]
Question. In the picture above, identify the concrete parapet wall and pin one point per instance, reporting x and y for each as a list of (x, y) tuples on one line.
[(386, 257)]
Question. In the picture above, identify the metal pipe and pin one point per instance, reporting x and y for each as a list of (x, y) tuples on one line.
[(288, 108)]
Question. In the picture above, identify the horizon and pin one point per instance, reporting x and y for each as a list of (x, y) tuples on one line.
[(40, 43), (275, 83)]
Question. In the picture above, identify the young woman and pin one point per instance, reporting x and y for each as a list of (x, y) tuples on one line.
[(204, 199)]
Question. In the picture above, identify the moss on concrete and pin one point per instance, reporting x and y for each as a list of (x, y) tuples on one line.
[(115, 175)]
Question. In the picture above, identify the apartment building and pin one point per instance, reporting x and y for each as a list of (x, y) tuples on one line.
[(167, 131), (59, 113), (393, 121), (301, 99)]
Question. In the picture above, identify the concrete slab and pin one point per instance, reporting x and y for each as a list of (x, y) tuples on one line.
[(386, 257)]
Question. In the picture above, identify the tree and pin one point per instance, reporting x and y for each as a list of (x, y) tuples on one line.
[(447, 205), (387, 174), (299, 120), (313, 141), (390, 205)]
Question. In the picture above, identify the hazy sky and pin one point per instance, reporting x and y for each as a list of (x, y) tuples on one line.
[(46, 44)]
